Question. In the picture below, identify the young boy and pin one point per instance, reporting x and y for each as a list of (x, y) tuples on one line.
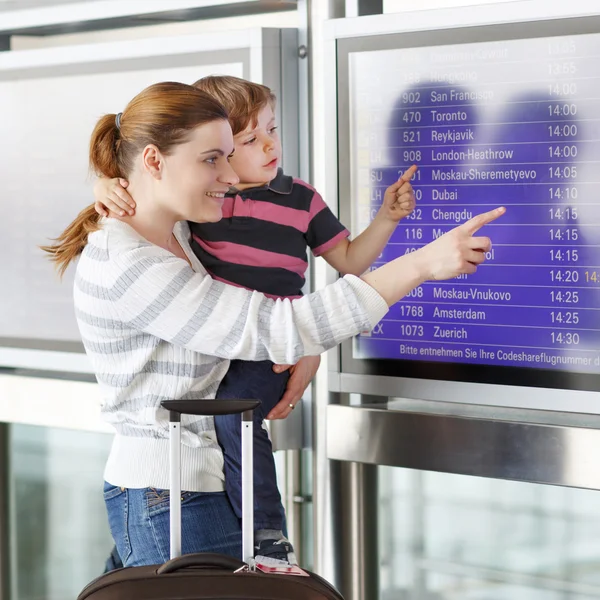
[(268, 222)]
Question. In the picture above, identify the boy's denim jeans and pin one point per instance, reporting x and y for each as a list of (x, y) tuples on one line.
[(252, 380)]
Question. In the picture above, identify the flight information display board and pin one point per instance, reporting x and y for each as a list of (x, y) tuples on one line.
[(513, 123)]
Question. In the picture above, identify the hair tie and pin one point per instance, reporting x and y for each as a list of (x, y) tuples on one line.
[(118, 121)]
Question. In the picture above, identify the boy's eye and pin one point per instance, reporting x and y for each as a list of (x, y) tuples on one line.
[(273, 129), (250, 141)]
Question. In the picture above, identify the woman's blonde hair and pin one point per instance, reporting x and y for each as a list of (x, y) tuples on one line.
[(163, 114), (242, 99)]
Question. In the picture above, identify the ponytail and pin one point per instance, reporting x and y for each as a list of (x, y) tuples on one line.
[(70, 243), (104, 148)]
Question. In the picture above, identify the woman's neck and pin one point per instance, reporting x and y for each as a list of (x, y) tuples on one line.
[(152, 221), (155, 228)]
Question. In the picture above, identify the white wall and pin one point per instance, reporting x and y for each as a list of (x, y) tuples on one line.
[(6, 5), (230, 24), (394, 6)]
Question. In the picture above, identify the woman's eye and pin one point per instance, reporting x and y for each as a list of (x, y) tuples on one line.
[(212, 160)]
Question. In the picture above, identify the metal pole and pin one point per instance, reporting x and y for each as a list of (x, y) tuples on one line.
[(358, 536), (247, 488), (324, 472), (175, 484), (304, 92), (417, 524), (293, 500), (4, 513)]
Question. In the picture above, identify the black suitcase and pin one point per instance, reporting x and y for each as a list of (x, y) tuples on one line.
[(208, 576)]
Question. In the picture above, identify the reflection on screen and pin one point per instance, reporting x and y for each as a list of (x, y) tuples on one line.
[(513, 123)]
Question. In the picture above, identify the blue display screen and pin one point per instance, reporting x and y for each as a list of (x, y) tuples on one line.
[(513, 123)]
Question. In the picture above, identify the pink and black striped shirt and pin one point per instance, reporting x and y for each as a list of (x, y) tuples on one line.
[(262, 240)]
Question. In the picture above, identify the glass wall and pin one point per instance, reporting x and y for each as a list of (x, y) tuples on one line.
[(59, 532), (454, 537)]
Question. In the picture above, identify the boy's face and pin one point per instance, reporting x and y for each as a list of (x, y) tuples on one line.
[(257, 151)]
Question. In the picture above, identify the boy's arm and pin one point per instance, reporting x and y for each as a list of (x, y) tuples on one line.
[(356, 256)]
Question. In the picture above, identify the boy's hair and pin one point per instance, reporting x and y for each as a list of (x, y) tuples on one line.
[(242, 99)]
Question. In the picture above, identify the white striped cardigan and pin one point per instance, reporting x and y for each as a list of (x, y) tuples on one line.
[(156, 329)]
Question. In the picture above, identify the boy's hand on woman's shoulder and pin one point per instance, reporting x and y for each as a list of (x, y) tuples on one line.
[(111, 198)]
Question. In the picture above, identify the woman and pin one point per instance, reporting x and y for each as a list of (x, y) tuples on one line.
[(156, 326)]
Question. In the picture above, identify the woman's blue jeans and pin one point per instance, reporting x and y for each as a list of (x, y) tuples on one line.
[(139, 524)]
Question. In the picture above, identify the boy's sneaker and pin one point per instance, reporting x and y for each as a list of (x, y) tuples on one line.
[(277, 549)]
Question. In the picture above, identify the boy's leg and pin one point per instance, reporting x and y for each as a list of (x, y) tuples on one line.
[(252, 380), (113, 562), (255, 380), (267, 499)]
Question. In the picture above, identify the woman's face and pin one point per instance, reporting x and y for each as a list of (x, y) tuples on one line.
[(196, 175)]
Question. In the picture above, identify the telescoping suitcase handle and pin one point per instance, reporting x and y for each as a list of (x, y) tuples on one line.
[(212, 408)]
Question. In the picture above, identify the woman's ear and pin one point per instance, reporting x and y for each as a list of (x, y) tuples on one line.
[(152, 161)]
